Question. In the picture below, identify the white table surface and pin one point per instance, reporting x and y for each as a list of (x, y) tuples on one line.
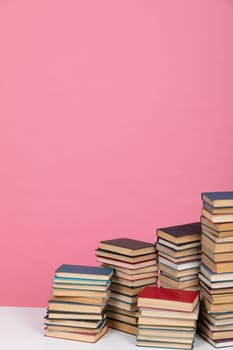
[(22, 328)]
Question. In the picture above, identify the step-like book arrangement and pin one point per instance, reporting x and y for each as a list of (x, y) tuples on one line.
[(167, 318), (135, 266), (179, 256), (216, 275), (123, 292), (76, 309)]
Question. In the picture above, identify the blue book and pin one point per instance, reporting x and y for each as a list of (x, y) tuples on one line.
[(218, 199), (81, 271), (78, 281)]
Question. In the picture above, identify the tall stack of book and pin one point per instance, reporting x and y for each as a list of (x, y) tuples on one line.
[(167, 318), (179, 256), (216, 274), (76, 309), (135, 266)]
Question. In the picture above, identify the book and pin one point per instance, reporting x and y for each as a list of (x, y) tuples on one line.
[(213, 308), (119, 316), (165, 332), (166, 322), (181, 233), (59, 292), (217, 299), (179, 266), (122, 326), (77, 316), (157, 313), (130, 259), (181, 259), (217, 257), (136, 283), (127, 246), (131, 291), (216, 285), (217, 218), (80, 281), (168, 299), (83, 300), (165, 338), (165, 280), (218, 343), (218, 199), (88, 287), (180, 246), (180, 253), (73, 323), (218, 267), (134, 272), (220, 210), (122, 304), (85, 337), (217, 247), (130, 266), (67, 328), (55, 305), (216, 277), (136, 276), (160, 345), (219, 335), (176, 273), (219, 227), (88, 272), (216, 237)]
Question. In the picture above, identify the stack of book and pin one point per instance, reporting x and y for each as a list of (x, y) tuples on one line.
[(179, 256), (167, 318), (135, 266), (76, 309), (216, 273)]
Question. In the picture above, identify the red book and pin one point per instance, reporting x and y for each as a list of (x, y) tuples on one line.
[(168, 299)]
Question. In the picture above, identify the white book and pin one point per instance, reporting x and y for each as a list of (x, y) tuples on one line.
[(179, 267)]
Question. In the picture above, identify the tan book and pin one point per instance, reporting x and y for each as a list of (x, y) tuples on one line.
[(178, 254), (165, 344), (217, 247), (125, 258), (122, 318), (181, 259), (81, 286), (126, 290), (127, 246), (226, 307), (223, 290), (165, 333), (114, 309), (218, 237), (157, 313), (137, 283), (123, 297), (217, 299), (217, 257), (178, 274), (166, 322), (219, 267), (80, 316), (176, 284), (72, 323), (135, 276), (79, 293), (85, 337), (122, 326), (181, 233), (74, 307), (72, 329), (83, 300), (226, 226), (216, 335), (122, 305), (147, 269), (164, 338)]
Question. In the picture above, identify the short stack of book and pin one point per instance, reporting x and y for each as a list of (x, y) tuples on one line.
[(216, 273), (179, 256), (167, 318), (135, 266), (76, 309)]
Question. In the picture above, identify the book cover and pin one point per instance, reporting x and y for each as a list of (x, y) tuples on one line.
[(181, 231), (81, 271), (127, 246), (218, 199), (175, 295)]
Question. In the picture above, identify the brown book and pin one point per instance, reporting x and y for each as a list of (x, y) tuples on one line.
[(79, 293), (179, 285), (225, 226), (76, 316), (163, 321), (124, 258), (165, 333), (157, 313), (178, 274), (119, 263), (217, 257), (131, 291), (165, 344), (83, 300), (84, 337), (122, 326), (137, 276), (73, 323), (217, 291), (181, 233), (182, 259), (165, 339), (127, 246), (217, 247), (178, 254), (216, 335), (125, 298), (122, 305), (133, 272), (217, 238), (217, 299), (137, 283), (214, 308), (218, 267), (54, 305)]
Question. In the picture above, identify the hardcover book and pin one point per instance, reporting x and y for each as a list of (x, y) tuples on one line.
[(218, 199), (168, 299), (89, 272), (181, 233), (127, 246)]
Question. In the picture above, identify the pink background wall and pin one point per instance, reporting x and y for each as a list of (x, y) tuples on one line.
[(115, 116)]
